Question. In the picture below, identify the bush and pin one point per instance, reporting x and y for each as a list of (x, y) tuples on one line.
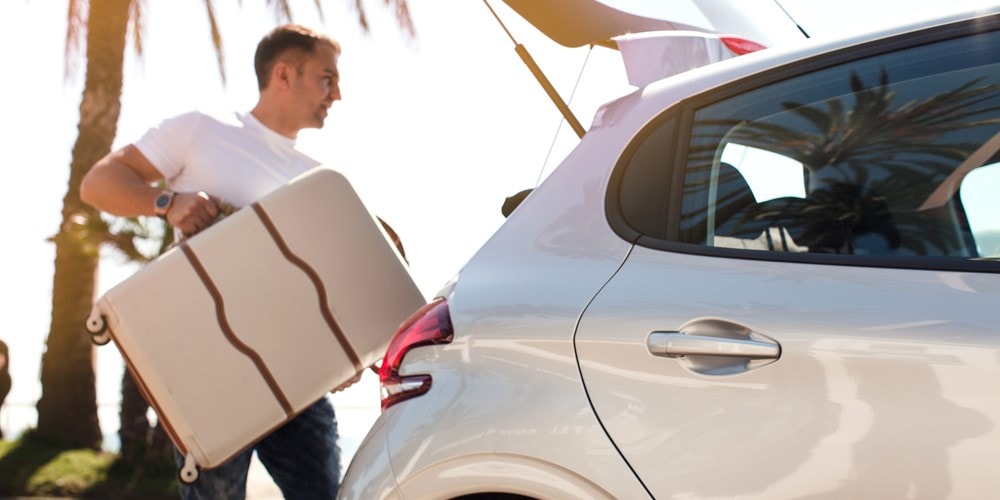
[(32, 467)]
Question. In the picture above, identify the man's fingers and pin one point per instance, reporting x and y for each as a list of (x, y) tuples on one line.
[(192, 212), (210, 204)]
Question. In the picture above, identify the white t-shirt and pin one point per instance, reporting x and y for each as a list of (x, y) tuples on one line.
[(235, 157)]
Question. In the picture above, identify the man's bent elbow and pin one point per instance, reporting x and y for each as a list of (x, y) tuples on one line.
[(88, 192), (94, 185)]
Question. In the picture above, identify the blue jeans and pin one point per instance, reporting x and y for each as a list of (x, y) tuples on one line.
[(302, 457)]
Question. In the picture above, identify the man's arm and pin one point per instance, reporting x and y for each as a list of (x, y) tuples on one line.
[(121, 184)]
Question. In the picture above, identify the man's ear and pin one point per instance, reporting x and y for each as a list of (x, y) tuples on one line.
[(281, 74)]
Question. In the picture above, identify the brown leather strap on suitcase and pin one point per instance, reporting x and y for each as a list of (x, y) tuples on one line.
[(220, 313), (331, 321)]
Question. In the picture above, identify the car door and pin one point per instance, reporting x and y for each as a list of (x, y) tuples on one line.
[(812, 306)]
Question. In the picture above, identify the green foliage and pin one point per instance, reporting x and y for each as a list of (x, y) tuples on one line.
[(33, 467)]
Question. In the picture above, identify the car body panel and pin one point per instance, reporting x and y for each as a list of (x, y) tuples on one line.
[(541, 417), (525, 362), (517, 313), (864, 379), (870, 357), (515, 404), (376, 478)]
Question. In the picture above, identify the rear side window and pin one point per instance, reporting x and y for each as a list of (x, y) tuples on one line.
[(895, 155)]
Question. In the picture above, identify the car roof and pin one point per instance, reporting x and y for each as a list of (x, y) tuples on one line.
[(818, 46)]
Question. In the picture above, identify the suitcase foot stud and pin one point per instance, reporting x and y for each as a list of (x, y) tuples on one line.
[(97, 325), (100, 339), (189, 472)]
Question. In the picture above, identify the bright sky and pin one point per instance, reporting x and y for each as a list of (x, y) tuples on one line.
[(433, 133)]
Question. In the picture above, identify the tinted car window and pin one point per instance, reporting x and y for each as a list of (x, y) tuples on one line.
[(644, 204), (865, 158)]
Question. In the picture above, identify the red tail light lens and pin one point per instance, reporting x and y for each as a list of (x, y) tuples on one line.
[(430, 325), (741, 46)]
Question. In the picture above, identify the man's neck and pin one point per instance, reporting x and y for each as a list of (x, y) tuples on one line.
[(273, 119)]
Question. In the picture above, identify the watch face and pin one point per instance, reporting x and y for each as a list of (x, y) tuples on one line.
[(163, 201)]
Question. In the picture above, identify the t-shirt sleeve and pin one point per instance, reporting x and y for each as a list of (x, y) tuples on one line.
[(168, 144)]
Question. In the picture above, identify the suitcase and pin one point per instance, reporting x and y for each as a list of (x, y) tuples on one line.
[(236, 330)]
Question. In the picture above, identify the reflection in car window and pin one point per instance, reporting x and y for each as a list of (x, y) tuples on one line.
[(979, 197), (769, 175), (864, 158)]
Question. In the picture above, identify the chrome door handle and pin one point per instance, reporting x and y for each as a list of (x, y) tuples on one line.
[(677, 344)]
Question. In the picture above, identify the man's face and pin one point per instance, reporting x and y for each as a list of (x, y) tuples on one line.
[(317, 87)]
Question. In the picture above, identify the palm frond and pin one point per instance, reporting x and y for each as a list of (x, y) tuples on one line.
[(138, 26), (402, 10), (359, 7), (282, 10), (319, 10), (216, 39), (76, 33)]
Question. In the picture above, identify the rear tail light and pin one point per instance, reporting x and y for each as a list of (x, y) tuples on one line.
[(741, 46), (430, 325)]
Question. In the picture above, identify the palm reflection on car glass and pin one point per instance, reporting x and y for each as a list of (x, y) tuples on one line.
[(869, 161)]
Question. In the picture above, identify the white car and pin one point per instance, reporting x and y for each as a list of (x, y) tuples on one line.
[(773, 276)]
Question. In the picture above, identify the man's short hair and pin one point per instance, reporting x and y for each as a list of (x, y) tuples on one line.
[(285, 38)]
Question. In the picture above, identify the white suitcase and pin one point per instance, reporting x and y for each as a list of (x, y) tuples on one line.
[(236, 330)]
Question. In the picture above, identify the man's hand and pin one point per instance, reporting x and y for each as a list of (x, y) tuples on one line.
[(192, 212)]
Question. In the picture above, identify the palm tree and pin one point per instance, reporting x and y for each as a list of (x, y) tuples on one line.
[(67, 410)]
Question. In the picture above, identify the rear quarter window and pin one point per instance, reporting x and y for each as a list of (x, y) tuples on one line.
[(887, 160)]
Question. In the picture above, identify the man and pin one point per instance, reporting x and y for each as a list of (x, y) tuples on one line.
[(210, 164)]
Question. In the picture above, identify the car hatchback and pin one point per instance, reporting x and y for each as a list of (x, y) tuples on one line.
[(769, 277)]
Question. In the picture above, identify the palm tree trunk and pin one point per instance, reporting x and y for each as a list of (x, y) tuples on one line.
[(67, 410)]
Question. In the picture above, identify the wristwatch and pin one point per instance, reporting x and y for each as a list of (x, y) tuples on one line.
[(163, 202)]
